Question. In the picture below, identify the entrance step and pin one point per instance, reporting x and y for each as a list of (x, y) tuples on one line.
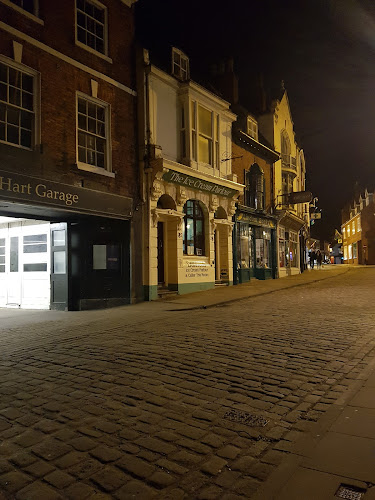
[(221, 283), (164, 293)]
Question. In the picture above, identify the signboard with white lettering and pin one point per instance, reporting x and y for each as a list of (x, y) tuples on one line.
[(193, 182), (33, 191)]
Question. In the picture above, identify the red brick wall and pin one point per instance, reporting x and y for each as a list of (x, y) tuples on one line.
[(59, 81)]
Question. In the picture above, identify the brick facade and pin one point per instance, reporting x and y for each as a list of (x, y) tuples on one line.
[(55, 158)]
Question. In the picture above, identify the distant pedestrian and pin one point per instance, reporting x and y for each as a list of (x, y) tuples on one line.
[(312, 259), (319, 258)]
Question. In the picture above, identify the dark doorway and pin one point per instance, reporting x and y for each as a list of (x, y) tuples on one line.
[(160, 253)]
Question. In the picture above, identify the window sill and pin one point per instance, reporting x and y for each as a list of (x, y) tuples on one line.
[(95, 170), (19, 146), (33, 17), (93, 51)]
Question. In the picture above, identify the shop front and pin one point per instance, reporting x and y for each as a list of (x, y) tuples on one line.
[(189, 237), (254, 246), (289, 241), (61, 246)]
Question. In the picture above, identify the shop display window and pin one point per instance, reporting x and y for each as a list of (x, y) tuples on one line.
[(263, 248), (244, 246), (193, 229)]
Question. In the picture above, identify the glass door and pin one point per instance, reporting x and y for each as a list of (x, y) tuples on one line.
[(59, 267)]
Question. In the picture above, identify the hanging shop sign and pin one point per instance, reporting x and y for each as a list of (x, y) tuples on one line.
[(31, 190), (192, 182), (316, 215), (255, 221), (299, 197)]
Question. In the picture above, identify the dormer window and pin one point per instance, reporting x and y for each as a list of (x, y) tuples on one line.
[(180, 64), (252, 128)]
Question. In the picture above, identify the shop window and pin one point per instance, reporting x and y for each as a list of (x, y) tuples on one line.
[(350, 252), (254, 190), (106, 257), (244, 246), (263, 248), (282, 244), (17, 113), (354, 250), (180, 64), (91, 25), (293, 249), (193, 231), (345, 252), (92, 123), (2, 255)]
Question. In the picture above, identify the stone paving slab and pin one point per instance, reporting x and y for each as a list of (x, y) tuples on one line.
[(134, 403)]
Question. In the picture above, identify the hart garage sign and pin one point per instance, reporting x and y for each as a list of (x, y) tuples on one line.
[(34, 191)]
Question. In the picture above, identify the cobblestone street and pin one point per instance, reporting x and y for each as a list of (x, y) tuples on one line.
[(146, 402)]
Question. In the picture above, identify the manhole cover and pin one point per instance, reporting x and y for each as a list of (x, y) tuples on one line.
[(350, 492), (246, 418)]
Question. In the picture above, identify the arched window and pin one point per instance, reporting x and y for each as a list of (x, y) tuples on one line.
[(254, 194), (193, 234)]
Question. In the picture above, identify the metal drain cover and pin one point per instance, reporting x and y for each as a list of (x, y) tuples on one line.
[(350, 492), (246, 418)]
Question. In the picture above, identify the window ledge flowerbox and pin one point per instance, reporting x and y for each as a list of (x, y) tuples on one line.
[(93, 51), (33, 17), (95, 170)]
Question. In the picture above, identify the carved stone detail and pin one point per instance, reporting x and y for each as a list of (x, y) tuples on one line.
[(181, 196), (214, 202)]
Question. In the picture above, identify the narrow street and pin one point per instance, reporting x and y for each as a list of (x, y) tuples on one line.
[(147, 401)]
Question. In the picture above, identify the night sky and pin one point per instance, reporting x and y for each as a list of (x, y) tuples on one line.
[(322, 49)]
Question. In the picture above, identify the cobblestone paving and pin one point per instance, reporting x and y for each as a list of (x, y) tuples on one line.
[(122, 407)]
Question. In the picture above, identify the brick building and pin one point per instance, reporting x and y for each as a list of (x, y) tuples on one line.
[(68, 176), (255, 225), (358, 231)]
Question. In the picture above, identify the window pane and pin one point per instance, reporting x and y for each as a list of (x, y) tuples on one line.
[(25, 139), (14, 96), (59, 265), (3, 73), (13, 254), (58, 238), (13, 134), (204, 150), (34, 238), (13, 116), (205, 121), (35, 267), (27, 83), (41, 248)]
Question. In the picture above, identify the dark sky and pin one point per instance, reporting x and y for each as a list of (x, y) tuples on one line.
[(322, 49)]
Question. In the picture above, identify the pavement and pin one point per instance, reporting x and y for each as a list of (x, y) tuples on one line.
[(264, 391)]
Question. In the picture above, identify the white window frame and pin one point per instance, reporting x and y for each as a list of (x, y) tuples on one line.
[(252, 128), (107, 170), (36, 139), (177, 70), (104, 54), (34, 16)]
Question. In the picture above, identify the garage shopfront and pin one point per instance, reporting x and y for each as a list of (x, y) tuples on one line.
[(62, 246)]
